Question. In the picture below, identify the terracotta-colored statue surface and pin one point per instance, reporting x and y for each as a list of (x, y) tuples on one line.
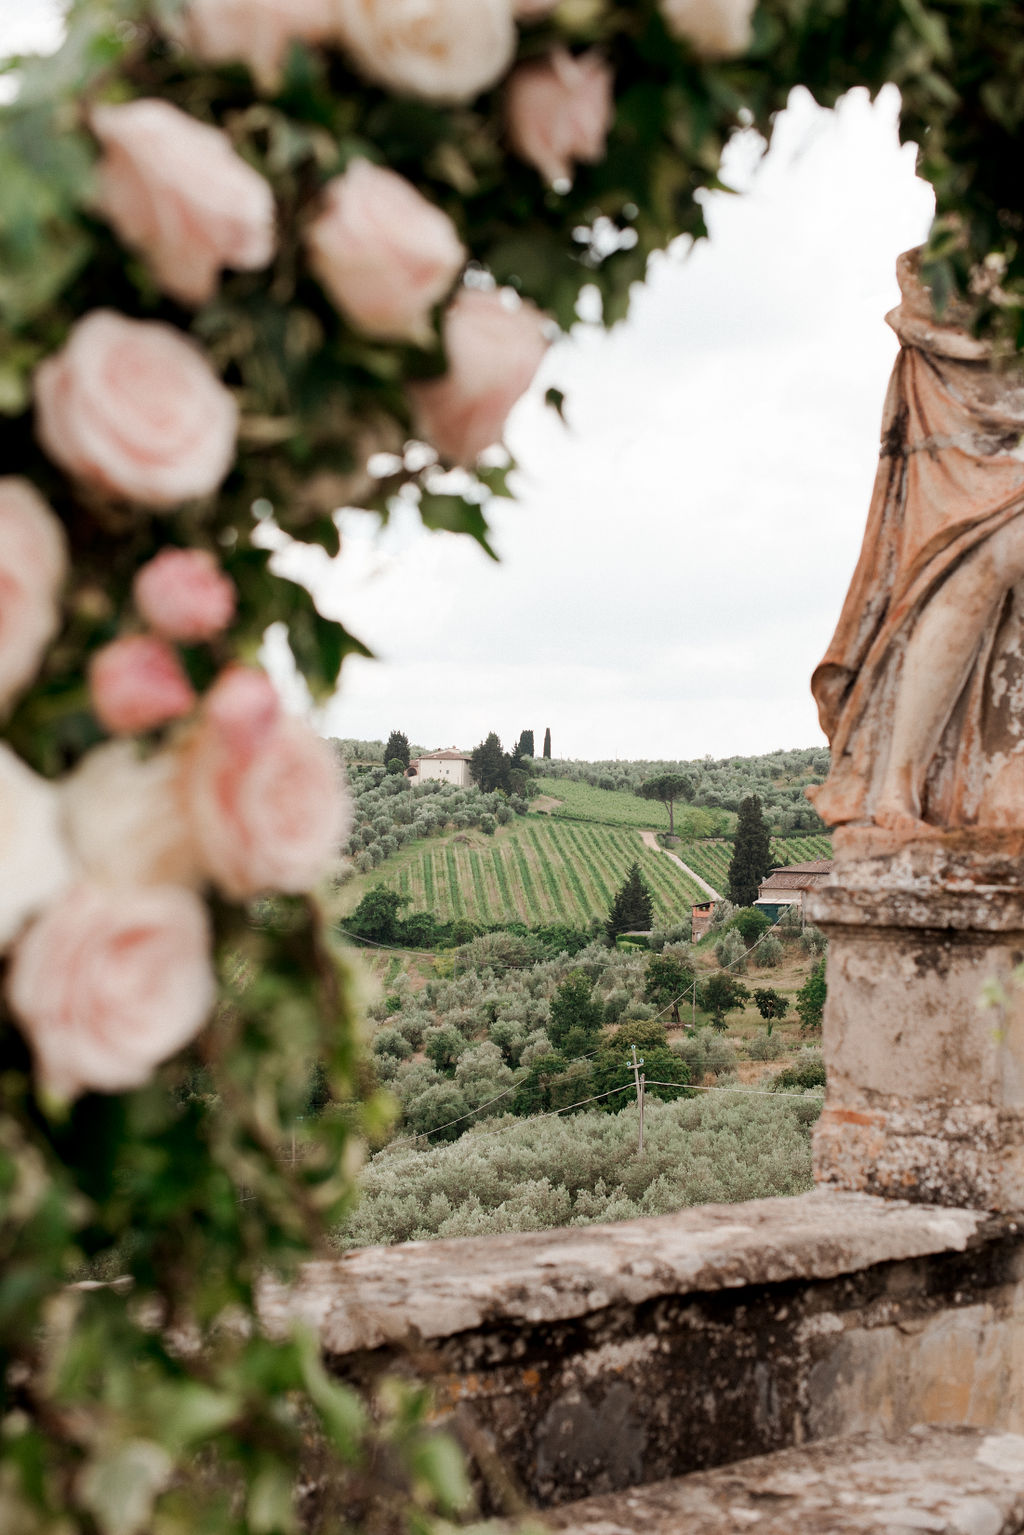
[(921, 691)]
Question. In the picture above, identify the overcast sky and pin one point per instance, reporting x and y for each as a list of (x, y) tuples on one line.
[(676, 560)]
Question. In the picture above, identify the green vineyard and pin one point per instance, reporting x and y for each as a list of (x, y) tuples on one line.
[(711, 859), (534, 871)]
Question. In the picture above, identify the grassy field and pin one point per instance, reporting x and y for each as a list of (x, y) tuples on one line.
[(616, 807), (533, 871), (711, 859)]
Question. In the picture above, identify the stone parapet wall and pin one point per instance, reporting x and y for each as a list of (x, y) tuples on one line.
[(608, 1357)]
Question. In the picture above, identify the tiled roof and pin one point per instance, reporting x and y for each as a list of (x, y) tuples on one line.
[(451, 755), (819, 866), (801, 876)]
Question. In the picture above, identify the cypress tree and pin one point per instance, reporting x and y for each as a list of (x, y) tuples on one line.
[(751, 858), (633, 906), (489, 765), (524, 746), (547, 742), (397, 748)]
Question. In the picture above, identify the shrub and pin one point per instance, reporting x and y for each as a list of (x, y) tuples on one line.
[(807, 1071), (720, 994), (750, 924), (391, 1042), (572, 1007), (769, 952), (765, 1047), (730, 951), (444, 1046), (810, 999), (813, 940)]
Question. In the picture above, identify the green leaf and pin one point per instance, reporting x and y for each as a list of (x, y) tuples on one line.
[(439, 1462), (451, 514), (271, 1507)]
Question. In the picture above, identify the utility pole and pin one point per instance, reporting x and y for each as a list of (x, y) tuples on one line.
[(640, 1080)]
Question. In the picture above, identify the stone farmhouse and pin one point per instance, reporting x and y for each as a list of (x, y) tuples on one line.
[(449, 765), (789, 886)]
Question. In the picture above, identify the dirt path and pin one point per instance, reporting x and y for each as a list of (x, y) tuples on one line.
[(650, 839)]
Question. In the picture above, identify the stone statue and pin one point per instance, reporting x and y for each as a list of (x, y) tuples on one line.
[(921, 691)]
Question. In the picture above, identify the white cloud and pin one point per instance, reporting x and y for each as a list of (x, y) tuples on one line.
[(677, 559)]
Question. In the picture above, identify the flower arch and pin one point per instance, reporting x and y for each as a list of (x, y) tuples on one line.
[(267, 258)]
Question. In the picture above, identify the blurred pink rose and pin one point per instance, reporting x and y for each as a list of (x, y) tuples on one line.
[(384, 253), (184, 595), (715, 29), (175, 190), (133, 408), (33, 567), (137, 683), (255, 32), (443, 50), (33, 854), (109, 982), (532, 10), (264, 794), (123, 818), (493, 354), (559, 111)]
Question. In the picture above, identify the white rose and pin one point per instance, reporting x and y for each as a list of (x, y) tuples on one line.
[(35, 861), (175, 190), (33, 567), (124, 819), (384, 253), (133, 408), (443, 50), (715, 29), (109, 982)]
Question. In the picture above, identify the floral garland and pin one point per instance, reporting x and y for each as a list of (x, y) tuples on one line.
[(260, 259)]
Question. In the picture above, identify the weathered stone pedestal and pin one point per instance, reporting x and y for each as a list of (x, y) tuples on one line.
[(925, 1080)]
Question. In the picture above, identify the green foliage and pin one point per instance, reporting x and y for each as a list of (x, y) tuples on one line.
[(376, 916), (633, 905), (573, 1008), (810, 999), (720, 994), (731, 952), (547, 742), (581, 1168), (490, 766), (444, 1046), (750, 922), (765, 1046), (396, 749), (806, 1073), (751, 858), (524, 746), (770, 952), (770, 1004), (668, 981), (667, 788)]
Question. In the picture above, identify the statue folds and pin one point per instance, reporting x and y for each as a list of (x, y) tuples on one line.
[(921, 691)]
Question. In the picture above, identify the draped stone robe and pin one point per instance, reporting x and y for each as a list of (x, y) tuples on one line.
[(951, 473)]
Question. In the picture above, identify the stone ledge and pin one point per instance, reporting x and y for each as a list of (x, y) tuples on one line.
[(978, 913), (952, 1481), (434, 1290)]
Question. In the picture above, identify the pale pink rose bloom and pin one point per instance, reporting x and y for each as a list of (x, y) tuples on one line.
[(174, 189), (124, 820), (264, 793), (110, 981), (136, 683), (442, 50), (559, 111), (133, 408), (715, 29), (33, 854), (33, 568), (255, 32), (184, 595), (493, 354), (383, 252)]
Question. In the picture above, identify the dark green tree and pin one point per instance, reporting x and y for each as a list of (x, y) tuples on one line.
[(632, 909), (751, 858), (444, 1046), (751, 923), (667, 980), (490, 765), (397, 748), (541, 1083), (376, 916), (668, 787), (720, 994), (770, 1004), (810, 999), (524, 746), (575, 1013), (661, 1065), (547, 741)]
